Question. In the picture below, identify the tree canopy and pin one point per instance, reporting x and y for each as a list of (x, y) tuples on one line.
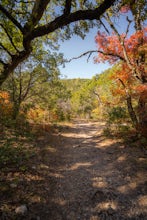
[(129, 52), (21, 22)]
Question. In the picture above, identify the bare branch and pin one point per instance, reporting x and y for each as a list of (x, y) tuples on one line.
[(122, 83), (11, 18), (98, 97), (96, 51), (106, 29), (128, 26), (112, 25)]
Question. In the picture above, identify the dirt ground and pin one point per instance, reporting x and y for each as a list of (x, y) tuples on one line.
[(78, 174)]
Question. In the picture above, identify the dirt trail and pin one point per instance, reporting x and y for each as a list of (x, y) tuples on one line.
[(88, 177), (78, 174)]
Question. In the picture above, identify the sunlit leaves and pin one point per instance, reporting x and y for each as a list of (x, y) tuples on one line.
[(6, 105)]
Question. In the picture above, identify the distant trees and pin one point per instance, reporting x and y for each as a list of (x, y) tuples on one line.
[(89, 98), (35, 89)]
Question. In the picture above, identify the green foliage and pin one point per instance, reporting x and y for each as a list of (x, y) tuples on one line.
[(117, 122), (30, 27), (117, 114), (117, 130), (88, 97), (9, 154), (12, 151)]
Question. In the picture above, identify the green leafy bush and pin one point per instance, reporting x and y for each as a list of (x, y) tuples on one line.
[(117, 114)]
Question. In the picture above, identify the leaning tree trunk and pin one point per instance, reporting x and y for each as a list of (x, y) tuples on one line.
[(132, 113)]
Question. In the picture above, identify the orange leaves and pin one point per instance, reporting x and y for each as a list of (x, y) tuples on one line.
[(6, 107), (118, 91), (36, 114), (142, 89), (128, 52), (4, 95), (40, 115), (110, 47), (123, 73), (133, 43)]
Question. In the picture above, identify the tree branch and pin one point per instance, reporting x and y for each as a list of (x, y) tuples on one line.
[(67, 8), (16, 59), (2, 62), (11, 18), (7, 51), (64, 20), (106, 29), (37, 12), (121, 40), (10, 38), (27, 89), (96, 51), (128, 26), (98, 97), (30, 32)]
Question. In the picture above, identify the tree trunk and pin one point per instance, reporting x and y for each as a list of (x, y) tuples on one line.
[(16, 110), (132, 112), (142, 113)]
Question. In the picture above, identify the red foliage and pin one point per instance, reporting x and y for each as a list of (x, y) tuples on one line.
[(142, 88), (111, 49)]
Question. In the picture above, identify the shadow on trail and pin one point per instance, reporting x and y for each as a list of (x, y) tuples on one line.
[(84, 176)]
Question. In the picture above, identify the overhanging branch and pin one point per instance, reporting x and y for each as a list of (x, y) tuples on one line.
[(64, 20)]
